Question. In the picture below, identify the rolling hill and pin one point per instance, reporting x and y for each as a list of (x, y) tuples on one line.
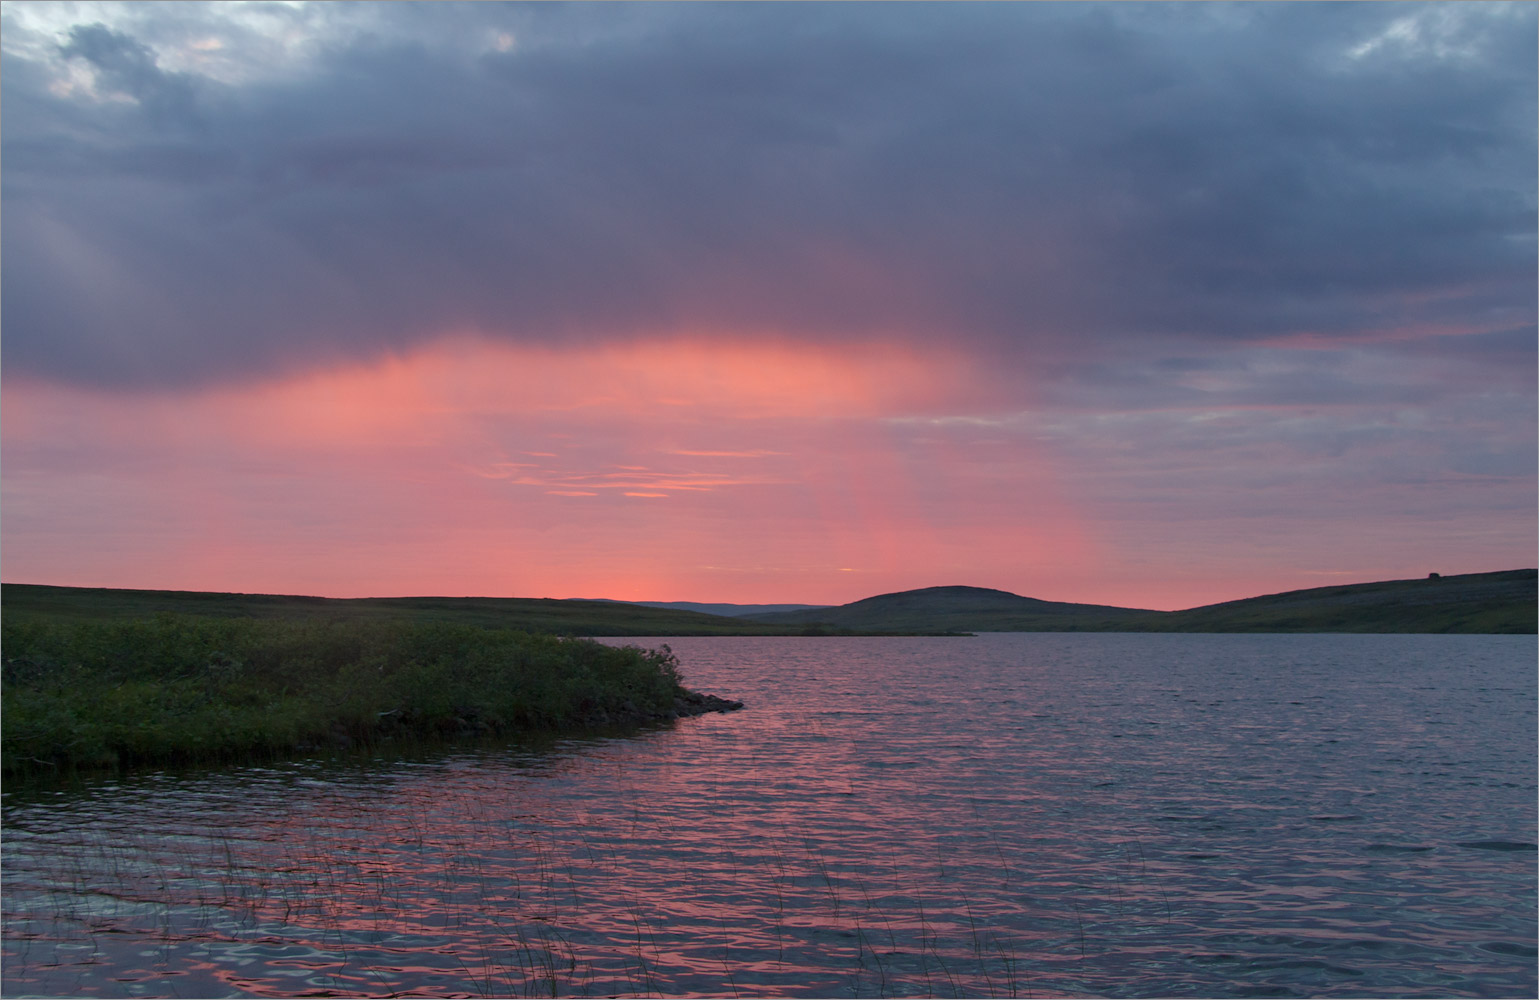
[(1474, 602), (572, 617), (963, 609)]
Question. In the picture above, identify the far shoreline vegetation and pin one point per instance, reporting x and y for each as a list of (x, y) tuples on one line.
[(98, 678)]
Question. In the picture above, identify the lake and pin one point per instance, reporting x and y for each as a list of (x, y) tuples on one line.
[(1007, 815)]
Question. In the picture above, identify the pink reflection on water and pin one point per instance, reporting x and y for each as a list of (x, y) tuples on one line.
[(996, 816)]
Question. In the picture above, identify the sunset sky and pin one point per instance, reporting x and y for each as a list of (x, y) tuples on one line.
[(1132, 304)]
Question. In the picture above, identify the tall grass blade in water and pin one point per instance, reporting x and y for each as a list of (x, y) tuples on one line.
[(186, 689)]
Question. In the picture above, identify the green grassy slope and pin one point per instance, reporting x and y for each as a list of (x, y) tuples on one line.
[(1474, 602), (594, 618)]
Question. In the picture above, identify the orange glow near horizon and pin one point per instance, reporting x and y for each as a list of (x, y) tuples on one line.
[(673, 469)]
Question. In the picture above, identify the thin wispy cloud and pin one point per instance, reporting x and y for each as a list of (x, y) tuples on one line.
[(629, 479)]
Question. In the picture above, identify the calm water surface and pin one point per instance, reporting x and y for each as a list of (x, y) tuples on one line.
[(1029, 815)]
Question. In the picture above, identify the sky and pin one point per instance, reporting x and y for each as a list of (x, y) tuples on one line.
[(1137, 304)]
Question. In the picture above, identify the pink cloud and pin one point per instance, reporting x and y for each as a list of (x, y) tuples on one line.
[(457, 470), (790, 473)]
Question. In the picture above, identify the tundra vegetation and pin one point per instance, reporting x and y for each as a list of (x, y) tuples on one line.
[(175, 688)]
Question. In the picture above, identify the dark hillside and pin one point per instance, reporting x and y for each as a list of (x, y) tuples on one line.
[(967, 609), (595, 618), (1473, 602), (725, 610)]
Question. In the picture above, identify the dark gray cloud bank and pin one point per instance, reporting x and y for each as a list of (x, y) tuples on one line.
[(1050, 185)]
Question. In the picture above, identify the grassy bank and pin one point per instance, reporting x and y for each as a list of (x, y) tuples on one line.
[(190, 689)]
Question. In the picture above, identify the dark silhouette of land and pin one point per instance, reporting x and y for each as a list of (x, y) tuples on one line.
[(560, 617), (1505, 602), (965, 609), (726, 610), (1474, 602)]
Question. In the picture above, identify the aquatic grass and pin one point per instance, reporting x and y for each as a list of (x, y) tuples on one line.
[(83, 694), (498, 901), (534, 950)]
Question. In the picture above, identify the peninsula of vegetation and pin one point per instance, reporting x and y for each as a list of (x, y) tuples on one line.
[(87, 693)]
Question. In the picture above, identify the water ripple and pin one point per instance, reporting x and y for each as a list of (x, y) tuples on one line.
[(1092, 815)]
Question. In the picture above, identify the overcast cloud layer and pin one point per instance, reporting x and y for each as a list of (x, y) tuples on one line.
[(205, 193)]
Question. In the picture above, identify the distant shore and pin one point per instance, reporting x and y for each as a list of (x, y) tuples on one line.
[(557, 617), (1501, 602)]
